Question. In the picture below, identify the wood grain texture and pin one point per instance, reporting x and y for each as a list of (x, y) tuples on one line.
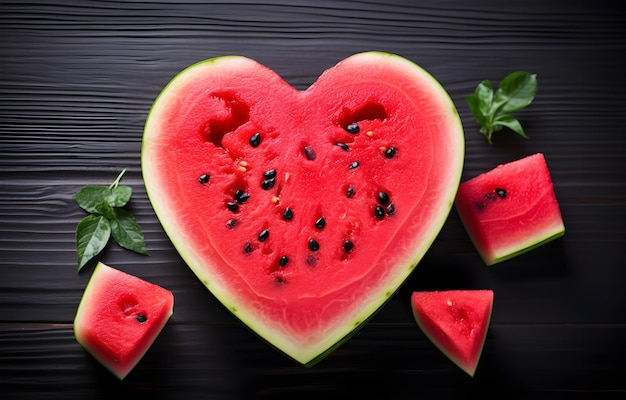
[(77, 79)]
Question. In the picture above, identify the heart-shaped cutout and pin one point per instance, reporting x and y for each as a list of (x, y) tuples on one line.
[(303, 211)]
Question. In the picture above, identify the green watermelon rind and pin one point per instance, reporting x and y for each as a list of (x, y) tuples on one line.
[(312, 356), (523, 248)]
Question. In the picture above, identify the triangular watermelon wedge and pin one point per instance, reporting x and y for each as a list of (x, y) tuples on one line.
[(456, 321), (510, 209)]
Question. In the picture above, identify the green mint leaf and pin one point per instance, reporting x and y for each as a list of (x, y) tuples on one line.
[(516, 91), (512, 123), (105, 209), (107, 218), (90, 197), (118, 196), (474, 105), (492, 111), (92, 235), (127, 232), (484, 93), (480, 102)]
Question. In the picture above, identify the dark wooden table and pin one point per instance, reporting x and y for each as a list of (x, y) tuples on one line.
[(77, 79)]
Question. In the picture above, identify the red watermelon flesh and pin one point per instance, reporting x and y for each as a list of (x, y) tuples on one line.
[(119, 317), (510, 209), (303, 211), (456, 321)]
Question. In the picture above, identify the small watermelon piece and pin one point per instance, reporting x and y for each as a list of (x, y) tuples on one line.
[(456, 321), (119, 317), (303, 211), (510, 209)]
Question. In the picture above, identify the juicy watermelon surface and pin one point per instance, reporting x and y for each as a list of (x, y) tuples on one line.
[(299, 223), (510, 209)]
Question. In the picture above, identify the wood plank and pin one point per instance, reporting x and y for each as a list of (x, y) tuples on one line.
[(77, 80), (228, 362)]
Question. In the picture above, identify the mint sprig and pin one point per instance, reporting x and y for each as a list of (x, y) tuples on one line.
[(107, 218), (493, 111)]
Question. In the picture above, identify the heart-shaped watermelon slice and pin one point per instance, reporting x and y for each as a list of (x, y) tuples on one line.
[(303, 211)]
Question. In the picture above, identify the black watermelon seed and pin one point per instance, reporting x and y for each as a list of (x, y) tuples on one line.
[(383, 198), (232, 206), (348, 246), (288, 214), (354, 164), (283, 261), (314, 245), (320, 223), (352, 128), (268, 183), (231, 223), (241, 196), (343, 146), (501, 193), (141, 318), (350, 192), (390, 152), (309, 153), (269, 174), (391, 209), (265, 233), (247, 248), (255, 140), (280, 280), (379, 212), (204, 178)]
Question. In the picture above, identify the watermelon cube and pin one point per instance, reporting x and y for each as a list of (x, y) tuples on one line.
[(510, 209), (119, 317)]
